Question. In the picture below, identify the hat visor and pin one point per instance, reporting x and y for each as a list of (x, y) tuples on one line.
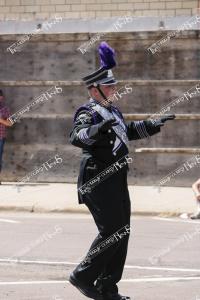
[(109, 82)]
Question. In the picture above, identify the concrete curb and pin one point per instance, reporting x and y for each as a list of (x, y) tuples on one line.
[(79, 211), (62, 198)]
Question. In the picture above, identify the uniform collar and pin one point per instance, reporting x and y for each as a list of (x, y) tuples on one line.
[(109, 108)]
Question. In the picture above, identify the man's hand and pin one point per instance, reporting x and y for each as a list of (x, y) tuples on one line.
[(107, 124), (160, 122), (6, 122)]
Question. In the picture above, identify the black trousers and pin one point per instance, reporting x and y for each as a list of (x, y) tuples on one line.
[(109, 204), (2, 142)]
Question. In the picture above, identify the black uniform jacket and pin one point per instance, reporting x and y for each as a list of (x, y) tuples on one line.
[(101, 150)]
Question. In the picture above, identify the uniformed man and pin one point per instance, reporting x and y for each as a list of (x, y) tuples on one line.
[(100, 130)]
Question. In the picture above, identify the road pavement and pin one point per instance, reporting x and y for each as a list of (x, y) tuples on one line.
[(38, 252)]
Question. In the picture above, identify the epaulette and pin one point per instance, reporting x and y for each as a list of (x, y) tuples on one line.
[(88, 107)]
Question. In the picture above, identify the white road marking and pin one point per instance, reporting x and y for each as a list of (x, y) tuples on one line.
[(37, 262), (65, 263), (159, 279), (138, 280), (32, 282), (9, 221), (162, 269), (176, 220)]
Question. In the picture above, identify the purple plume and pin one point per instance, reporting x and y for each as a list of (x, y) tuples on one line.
[(107, 55)]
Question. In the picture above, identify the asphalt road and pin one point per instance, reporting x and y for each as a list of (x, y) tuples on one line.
[(39, 251)]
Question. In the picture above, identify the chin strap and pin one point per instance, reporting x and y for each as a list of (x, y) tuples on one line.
[(102, 94)]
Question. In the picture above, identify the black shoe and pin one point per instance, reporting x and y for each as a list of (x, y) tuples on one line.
[(115, 296), (195, 217), (87, 290)]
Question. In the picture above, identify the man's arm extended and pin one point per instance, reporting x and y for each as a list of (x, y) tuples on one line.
[(196, 189), (143, 129)]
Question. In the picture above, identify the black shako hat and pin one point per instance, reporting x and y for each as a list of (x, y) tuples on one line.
[(104, 74)]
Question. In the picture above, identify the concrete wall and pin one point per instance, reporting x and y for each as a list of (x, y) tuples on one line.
[(76, 9), (157, 79)]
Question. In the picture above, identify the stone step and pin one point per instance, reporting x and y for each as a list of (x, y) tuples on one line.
[(21, 161), (144, 97), (54, 59), (62, 60)]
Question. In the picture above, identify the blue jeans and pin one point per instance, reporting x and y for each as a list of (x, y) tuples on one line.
[(2, 141)]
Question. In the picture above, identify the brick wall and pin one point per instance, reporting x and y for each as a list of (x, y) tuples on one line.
[(73, 9)]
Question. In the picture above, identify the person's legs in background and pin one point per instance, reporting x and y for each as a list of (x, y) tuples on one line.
[(196, 190), (2, 142)]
